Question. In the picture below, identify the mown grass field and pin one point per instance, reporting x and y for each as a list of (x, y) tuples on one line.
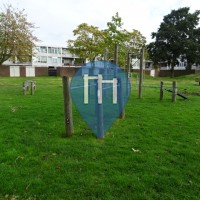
[(152, 154)]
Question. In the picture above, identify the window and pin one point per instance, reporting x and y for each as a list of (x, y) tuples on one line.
[(59, 60), (54, 60), (49, 59), (43, 49), (54, 50), (43, 59)]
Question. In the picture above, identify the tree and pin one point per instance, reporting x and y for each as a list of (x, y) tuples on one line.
[(177, 37), (127, 41), (91, 42), (16, 35)]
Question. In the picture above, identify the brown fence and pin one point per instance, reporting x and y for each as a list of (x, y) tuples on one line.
[(4, 71), (167, 73)]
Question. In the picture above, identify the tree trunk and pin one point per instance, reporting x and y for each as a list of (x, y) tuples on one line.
[(172, 71)]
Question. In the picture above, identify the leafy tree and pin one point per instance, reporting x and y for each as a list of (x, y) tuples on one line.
[(16, 35), (127, 41), (90, 42), (177, 37)]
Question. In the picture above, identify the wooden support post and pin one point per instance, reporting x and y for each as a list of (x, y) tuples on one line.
[(174, 91), (120, 99), (67, 107), (99, 111), (161, 90), (128, 74), (116, 54), (105, 54), (23, 88), (32, 88), (141, 72)]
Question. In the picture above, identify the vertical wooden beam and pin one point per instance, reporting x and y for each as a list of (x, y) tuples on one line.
[(32, 88), (105, 54), (115, 60), (120, 99), (99, 113), (116, 54), (128, 74), (23, 88), (161, 90), (174, 91), (141, 72), (67, 107)]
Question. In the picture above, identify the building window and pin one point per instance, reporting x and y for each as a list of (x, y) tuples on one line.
[(49, 59), (59, 60), (43, 59), (43, 49), (54, 50), (54, 60)]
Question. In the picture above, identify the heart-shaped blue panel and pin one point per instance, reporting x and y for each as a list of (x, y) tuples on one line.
[(100, 90)]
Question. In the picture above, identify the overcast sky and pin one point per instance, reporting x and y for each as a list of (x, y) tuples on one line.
[(57, 19)]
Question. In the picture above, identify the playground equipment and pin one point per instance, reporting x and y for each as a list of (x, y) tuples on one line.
[(100, 91), (174, 91), (198, 80), (29, 85)]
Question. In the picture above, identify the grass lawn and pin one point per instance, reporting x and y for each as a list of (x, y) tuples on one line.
[(154, 153)]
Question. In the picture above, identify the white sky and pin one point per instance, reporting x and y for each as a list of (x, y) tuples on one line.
[(57, 19)]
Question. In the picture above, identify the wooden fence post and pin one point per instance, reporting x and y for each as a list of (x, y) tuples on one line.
[(67, 107), (32, 88), (174, 91), (161, 90), (23, 88), (141, 72), (120, 99)]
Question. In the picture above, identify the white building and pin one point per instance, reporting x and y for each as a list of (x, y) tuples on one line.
[(45, 61), (52, 56)]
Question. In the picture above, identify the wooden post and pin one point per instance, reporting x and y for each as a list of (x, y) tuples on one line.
[(122, 114), (23, 88), (32, 88), (99, 110), (141, 72), (128, 74), (116, 54), (174, 91), (105, 54), (161, 90), (120, 99), (67, 107), (115, 59)]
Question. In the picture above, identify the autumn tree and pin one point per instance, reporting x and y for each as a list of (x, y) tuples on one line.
[(16, 35), (177, 37)]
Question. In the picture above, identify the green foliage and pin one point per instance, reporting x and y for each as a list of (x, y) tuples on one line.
[(16, 37), (151, 154), (177, 37), (90, 42)]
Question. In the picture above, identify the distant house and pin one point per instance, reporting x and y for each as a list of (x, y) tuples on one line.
[(136, 64), (182, 65)]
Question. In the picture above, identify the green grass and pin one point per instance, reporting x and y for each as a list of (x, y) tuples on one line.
[(36, 162)]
